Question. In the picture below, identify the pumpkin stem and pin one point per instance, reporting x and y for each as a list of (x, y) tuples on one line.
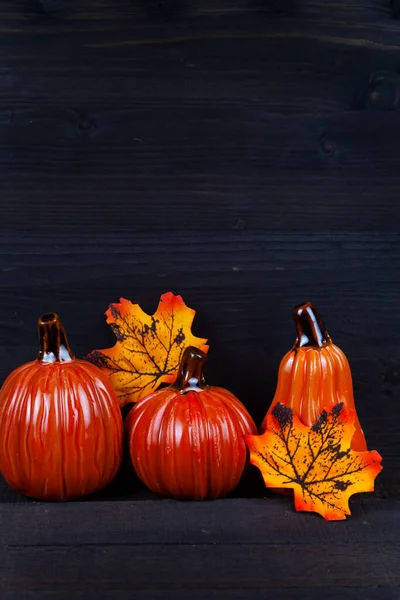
[(190, 376), (311, 330), (53, 343)]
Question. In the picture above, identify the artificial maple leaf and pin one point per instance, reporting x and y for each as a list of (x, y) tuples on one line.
[(148, 348), (316, 462)]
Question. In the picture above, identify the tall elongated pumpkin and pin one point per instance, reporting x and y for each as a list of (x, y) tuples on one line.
[(60, 422), (186, 440), (315, 374)]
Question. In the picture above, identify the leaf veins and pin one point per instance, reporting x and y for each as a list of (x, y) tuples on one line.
[(316, 462), (148, 348)]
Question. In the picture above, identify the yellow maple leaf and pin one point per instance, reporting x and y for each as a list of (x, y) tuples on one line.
[(148, 348), (316, 462)]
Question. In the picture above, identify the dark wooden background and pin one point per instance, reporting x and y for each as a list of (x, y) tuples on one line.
[(242, 153)]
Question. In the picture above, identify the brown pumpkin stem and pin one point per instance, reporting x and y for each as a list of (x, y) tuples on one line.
[(310, 328), (53, 343), (190, 376)]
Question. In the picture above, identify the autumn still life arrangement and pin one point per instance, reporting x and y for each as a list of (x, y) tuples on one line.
[(62, 433)]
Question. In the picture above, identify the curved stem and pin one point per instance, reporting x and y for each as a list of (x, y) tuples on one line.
[(190, 376), (310, 328), (53, 343)]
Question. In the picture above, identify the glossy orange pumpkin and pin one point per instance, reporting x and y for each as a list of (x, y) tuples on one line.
[(315, 374), (186, 440), (60, 423)]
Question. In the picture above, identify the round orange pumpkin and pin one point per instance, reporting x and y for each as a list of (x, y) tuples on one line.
[(60, 422), (186, 440), (315, 374)]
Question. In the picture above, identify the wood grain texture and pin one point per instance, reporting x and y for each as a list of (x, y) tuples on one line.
[(172, 549), (243, 593), (217, 594), (170, 522), (182, 567)]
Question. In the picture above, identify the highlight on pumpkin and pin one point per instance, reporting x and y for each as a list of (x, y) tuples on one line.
[(317, 462), (186, 440), (148, 348), (315, 374)]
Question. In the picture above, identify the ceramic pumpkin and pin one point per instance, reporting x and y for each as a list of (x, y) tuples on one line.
[(315, 374), (60, 422), (186, 440)]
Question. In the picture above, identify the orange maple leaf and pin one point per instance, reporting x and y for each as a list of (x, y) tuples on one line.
[(316, 462), (148, 348)]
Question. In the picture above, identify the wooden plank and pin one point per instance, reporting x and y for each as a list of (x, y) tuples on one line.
[(284, 62), (203, 202), (267, 172), (285, 77), (111, 18), (268, 274), (265, 522), (359, 593), (235, 255), (199, 567), (368, 11), (216, 139)]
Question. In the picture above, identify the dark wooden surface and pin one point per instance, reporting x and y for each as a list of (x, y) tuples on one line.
[(243, 153), (256, 549)]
